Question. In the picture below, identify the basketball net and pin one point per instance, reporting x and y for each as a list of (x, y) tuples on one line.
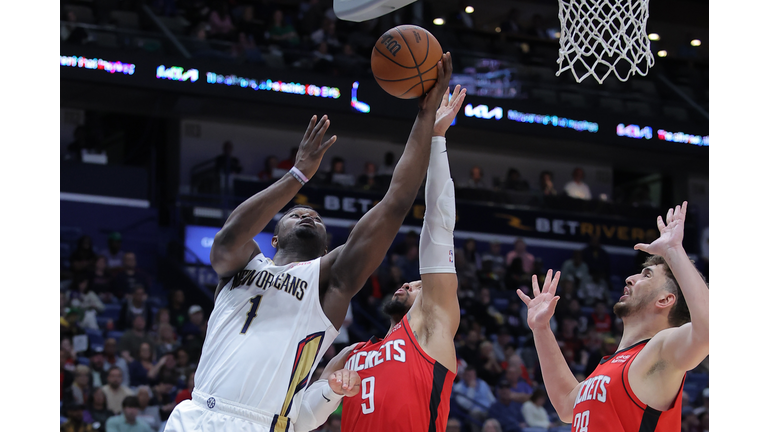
[(598, 37)]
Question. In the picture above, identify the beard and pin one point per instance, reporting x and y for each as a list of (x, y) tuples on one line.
[(396, 309), (305, 241), (628, 308)]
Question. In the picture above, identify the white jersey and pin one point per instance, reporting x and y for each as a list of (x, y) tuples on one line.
[(266, 335)]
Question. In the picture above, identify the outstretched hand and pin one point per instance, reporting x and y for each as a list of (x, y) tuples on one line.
[(542, 306), (431, 100), (670, 234), (449, 107), (345, 382), (312, 147)]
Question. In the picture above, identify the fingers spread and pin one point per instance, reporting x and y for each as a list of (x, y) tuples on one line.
[(535, 285), (641, 246), (660, 224), (669, 216), (523, 297)]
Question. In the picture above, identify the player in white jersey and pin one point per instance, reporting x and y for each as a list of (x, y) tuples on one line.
[(274, 319)]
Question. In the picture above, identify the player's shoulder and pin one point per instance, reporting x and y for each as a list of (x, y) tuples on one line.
[(658, 340)]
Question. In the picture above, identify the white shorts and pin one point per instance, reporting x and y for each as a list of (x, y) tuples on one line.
[(205, 413)]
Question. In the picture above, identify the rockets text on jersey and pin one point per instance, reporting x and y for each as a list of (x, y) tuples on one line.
[(402, 388), (605, 400)]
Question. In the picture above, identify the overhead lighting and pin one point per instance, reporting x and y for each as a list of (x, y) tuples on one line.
[(662, 53), (438, 21), (695, 42), (498, 29), (654, 36), (469, 9), (557, 35)]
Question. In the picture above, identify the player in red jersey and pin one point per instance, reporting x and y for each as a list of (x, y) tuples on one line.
[(639, 387), (406, 378)]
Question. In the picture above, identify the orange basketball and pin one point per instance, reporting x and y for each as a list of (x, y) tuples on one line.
[(404, 61)]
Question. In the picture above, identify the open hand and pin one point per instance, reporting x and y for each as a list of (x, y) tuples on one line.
[(345, 382), (542, 306), (449, 107), (312, 147), (670, 235), (431, 100)]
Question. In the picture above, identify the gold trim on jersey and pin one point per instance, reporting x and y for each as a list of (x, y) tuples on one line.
[(306, 354)]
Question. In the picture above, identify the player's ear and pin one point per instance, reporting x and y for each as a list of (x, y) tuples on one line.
[(667, 301), (274, 241)]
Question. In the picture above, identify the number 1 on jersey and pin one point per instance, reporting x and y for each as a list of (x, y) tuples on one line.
[(255, 302), (366, 386)]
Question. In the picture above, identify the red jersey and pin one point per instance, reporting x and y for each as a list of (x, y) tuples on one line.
[(606, 402), (402, 388)]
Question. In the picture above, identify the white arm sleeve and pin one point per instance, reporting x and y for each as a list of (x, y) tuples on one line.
[(436, 241), (319, 402)]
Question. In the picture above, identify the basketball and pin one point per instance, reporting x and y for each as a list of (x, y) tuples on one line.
[(404, 61)]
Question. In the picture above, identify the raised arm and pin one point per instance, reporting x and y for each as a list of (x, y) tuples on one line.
[(233, 245), (562, 387), (435, 315), (372, 236), (686, 346)]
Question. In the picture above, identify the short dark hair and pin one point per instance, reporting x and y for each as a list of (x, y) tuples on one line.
[(113, 368), (277, 226), (539, 392), (131, 402), (679, 314)]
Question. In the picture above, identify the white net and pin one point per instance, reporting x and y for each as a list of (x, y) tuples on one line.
[(598, 37)]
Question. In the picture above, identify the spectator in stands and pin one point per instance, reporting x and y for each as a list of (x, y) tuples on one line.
[(338, 175), (601, 320), (70, 324), (270, 163), (505, 410), (101, 279), (350, 63), (186, 393), (471, 253), (96, 361), (134, 305), (326, 33), (475, 179), (178, 309), (83, 258), (322, 60), (112, 359), (287, 164), (162, 316), (165, 393), (546, 186), (131, 340), (503, 340), (520, 390), (409, 264), (534, 413), (113, 253), (514, 182), (252, 27), (574, 311), (128, 420), (576, 188), (75, 422), (521, 251), (514, 320), (246, 48), (388, 167), (472, 389), (83, 297), (115, 392), (453, 425), (492, 425), (607, 348), (80, 390), (594, 290), (494, 255), (488, 368), (596, 257), (193, 327), (575, 269), (220, 22), (71, 32), (468, 351), (184, 366), (567, 293), (485, 312), (129, 278), (367, 180), (227, 164), (515, 277), (149, 413), (167, 341), (97, 409), (401, 248), (282, 33), (169, 371), (66, 377), (143, 369)]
